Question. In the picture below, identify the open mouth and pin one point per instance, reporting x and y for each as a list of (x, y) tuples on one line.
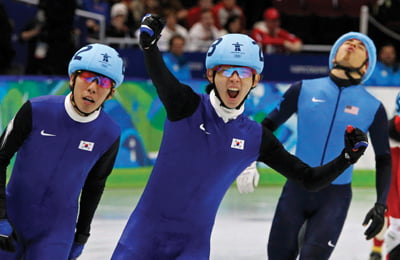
[(233, 92), (88, 99)]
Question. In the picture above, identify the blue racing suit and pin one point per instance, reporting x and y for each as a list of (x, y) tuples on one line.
[(61, 156), (324, 108), (200, 157)]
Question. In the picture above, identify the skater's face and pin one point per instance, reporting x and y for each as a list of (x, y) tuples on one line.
[(352, 54), (233, 83), (91, 90)]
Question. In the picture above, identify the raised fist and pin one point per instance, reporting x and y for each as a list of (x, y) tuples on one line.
[(356, 141), (150, 30)]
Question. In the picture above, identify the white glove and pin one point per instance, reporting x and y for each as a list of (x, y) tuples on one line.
[(248, 179)]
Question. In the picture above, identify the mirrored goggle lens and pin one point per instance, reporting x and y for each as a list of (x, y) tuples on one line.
[(102, 81), (243, 72)]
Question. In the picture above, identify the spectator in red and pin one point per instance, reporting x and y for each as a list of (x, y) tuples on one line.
[(194, 13), (390, 234), (203, 33), (224, 9), (273, 39)]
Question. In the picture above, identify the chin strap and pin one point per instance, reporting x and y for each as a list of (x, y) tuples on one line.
[(348, 71), (77, 108)]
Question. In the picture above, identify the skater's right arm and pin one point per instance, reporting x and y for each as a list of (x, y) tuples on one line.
[(180, 100)]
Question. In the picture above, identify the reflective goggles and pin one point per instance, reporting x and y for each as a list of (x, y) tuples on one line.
[(101, 80), (227, 71)]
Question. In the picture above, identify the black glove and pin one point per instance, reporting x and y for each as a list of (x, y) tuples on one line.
[(377, 215), (356, 141), (150, 30), (7, 236)]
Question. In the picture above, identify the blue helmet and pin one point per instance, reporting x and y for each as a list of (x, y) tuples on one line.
[(369, 44), (101, 59), (235, 49)]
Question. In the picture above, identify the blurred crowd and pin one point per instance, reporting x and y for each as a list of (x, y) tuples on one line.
[(279, 26)]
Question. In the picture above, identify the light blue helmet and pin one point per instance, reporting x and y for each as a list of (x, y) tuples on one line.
[(235, 49), (101, 59), (369, 44)]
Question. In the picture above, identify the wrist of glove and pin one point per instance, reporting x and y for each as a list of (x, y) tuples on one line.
[(81, 238), (78, 245), (376, 219), (150, 30), (356, 141), (7, 236), (248, 179)]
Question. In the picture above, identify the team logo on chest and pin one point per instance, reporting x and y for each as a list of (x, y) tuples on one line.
[(237, 144), (85, 145)]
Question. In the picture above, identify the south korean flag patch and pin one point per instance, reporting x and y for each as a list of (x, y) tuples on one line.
[(237, 144), (85, 145)]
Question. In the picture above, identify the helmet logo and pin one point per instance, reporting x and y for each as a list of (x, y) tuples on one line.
[(101, 59), (105, 57), (235, 49), (237, 46), (105, 62)]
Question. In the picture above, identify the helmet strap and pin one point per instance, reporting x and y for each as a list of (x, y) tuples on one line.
[(348, 71)]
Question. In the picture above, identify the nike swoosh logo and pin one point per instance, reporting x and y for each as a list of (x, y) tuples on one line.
[(314, 99), (46, 134), (330, 244), (203, 129)]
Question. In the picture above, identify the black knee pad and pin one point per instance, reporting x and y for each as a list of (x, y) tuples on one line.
[(394, 254)]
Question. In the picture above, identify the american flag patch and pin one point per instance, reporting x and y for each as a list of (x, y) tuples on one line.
[(237, 144), (351, 110), (85, 145)]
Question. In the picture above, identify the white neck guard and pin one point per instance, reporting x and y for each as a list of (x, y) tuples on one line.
[(225, 113), (75, 116)]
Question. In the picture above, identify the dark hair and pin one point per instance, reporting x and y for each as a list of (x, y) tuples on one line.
[(173, 37), (230, 20)]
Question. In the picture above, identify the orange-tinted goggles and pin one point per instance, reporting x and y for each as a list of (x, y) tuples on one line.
[(101, 80), (227, 71)]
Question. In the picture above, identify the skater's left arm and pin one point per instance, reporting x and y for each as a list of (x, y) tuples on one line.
[(278, 158), (380, 142), (91, 195)]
